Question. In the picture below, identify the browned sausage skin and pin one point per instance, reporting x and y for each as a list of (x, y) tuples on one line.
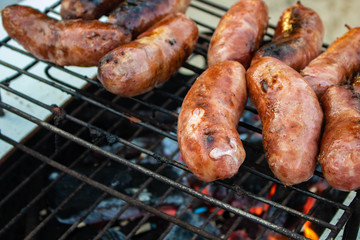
[(298, 38), (68, 42), (340, 145), (239, 33), (356, 84), (87, 9), (291, 117), (138, 15), (150, 60), (337, 64), (210, 112)]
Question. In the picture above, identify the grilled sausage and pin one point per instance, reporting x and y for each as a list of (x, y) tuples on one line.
[(356, 84), (298, 38), (150, 60), (210, 112), (337, 64), (68, 42), (87, 9), (291, 117), (239, 33), (340, 145), (138, 15)]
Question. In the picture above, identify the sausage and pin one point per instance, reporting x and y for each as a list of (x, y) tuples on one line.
[(206, 131), (150, 60), (291, 117), (68, 42), (356, 84), (86, 9), (138, 15), (239, 33), (338, 64), (340, 145), (298, 38)]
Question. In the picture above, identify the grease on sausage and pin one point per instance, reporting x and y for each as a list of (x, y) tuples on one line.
[(209, 142)]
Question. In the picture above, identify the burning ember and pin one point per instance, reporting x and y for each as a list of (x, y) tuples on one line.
[(196, 212), (309, 232), (308, 227), (263, 208)]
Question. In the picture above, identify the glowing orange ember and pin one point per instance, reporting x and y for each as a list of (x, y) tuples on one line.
[(257, 210), (272, 191), (170, 210), (206, 190), (219, 212), (277, 236), (308, 205), (309, 232)]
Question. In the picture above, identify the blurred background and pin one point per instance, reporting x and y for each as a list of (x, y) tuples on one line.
[(334, 13)]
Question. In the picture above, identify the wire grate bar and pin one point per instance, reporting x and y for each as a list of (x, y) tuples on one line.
[(54, 109), (213, 5), (106, 188), (96, 103), (181, 212), (156, 176), (163, 159), (206, 11), (14, 220), (161, 200), (305, 192), (33, 233)]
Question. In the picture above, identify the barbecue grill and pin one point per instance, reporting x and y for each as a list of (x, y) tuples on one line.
[(103, 167)]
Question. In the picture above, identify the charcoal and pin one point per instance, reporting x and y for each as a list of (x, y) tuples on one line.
[(193, 219), (116, 176)]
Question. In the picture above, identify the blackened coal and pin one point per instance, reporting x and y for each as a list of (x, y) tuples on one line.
[(113, 234), (195, 220), (239, 235), (118, 177), (88, 232)]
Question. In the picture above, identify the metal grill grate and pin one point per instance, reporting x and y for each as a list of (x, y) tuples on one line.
[(81, 148)]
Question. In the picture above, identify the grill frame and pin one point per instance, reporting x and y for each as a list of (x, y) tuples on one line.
[(59, 115)]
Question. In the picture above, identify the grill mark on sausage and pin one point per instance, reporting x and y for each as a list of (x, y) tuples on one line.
[(264, 85), (138, 15), (297, 39), (281, 50), (86, 9), (172, 42)]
